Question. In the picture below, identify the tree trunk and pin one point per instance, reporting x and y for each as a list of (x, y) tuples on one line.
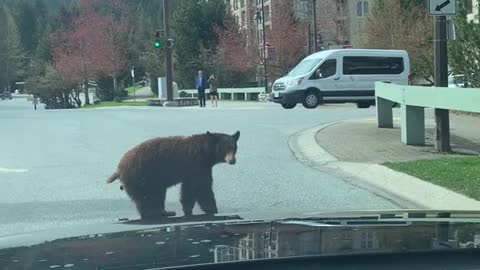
[(87, 97), (76, 97)]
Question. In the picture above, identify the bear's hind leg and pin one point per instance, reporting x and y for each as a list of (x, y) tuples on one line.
[(153, 205)]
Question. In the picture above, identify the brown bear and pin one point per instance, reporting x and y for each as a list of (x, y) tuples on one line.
[(147, 170)]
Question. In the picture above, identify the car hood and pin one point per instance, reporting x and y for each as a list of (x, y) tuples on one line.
[(199, 240)]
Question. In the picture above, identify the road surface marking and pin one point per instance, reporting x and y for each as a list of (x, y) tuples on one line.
[(6, 170)]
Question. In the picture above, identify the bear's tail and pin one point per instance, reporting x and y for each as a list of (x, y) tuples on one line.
[(114, 177)]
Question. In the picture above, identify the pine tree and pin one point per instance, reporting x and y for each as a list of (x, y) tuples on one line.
[(28, 27), (193, 25), (10, 48), (464, 52)]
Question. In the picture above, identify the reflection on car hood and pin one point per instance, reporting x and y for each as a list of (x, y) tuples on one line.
[(143, 245)]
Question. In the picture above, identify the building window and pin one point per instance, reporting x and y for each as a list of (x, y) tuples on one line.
[(260, 36), (366, 240), (267, 13), (468, 5), (362, 8)]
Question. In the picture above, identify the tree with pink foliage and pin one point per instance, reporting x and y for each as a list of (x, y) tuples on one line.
[(234, 58), (90, 46), (232, 45), (288, 39)]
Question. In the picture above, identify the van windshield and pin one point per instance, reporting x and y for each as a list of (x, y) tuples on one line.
[(305, 67)]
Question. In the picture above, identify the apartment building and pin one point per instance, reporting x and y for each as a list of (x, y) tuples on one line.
[(473, 9), (338, 22), (341, 22)]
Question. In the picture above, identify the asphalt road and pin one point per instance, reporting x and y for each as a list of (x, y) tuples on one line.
[(53, 164)]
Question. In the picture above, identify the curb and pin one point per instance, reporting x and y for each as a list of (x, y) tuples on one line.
[(306, 149), (405, 190)]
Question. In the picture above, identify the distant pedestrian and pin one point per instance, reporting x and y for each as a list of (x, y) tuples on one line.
[(201, 85), (213, 90), (35, 102)]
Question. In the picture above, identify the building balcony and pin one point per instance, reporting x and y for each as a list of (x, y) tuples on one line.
[(473, 17)]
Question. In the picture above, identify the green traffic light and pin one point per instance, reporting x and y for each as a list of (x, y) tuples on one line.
[(157, 44)]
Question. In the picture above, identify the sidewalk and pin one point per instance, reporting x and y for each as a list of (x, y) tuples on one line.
[(362, 141), (355, 150)]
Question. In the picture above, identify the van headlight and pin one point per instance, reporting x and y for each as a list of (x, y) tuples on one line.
[(295, 82)]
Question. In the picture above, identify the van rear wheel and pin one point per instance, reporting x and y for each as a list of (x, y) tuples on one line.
[(364, 105), (288, 105), (311, 100)]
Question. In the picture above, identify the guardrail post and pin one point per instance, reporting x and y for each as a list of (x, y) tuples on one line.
[(413, 125), (384, 113)]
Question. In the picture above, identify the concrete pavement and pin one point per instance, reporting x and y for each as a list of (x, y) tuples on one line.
[(55, 163), (379, 145), (354, 149)]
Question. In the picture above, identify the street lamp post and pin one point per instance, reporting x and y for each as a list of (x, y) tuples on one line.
[(314, 26), (315, 41), (260, 15)]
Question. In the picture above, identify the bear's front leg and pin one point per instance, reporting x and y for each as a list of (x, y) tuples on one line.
[(187, 198), (206, 199)]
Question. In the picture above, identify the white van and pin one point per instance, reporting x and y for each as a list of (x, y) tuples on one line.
[(340, 76)]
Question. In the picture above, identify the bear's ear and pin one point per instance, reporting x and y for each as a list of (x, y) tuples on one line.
[(236, 136)]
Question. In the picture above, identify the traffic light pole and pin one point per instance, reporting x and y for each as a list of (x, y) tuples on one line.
[(168, 50), (442, 121)]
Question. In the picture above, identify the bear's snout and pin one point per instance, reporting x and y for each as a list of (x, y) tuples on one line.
[(230, 158)]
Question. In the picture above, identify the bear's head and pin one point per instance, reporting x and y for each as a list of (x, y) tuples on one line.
[(224, 146)]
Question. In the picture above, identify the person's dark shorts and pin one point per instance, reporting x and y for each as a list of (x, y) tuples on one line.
[(214, 94)]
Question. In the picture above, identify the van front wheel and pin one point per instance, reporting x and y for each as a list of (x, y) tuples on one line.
[(311, 100)]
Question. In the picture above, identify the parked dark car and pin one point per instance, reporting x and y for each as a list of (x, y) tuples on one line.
[(6, 94)]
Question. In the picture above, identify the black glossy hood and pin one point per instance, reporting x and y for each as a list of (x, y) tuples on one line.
[(228, 239)]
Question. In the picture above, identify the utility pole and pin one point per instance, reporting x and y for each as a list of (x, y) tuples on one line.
[(264, 47), (8, 73), (315, 41), (442, 121), (168, 49), (309, 50)]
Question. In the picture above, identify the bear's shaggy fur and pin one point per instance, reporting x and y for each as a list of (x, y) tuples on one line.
[(147, 170)]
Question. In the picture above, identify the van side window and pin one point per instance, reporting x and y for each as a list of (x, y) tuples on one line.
[(364, 65), (327, 69)]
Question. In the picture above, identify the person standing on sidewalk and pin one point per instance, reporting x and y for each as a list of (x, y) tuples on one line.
[(213, 90), (201, 85), (35, 102)]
